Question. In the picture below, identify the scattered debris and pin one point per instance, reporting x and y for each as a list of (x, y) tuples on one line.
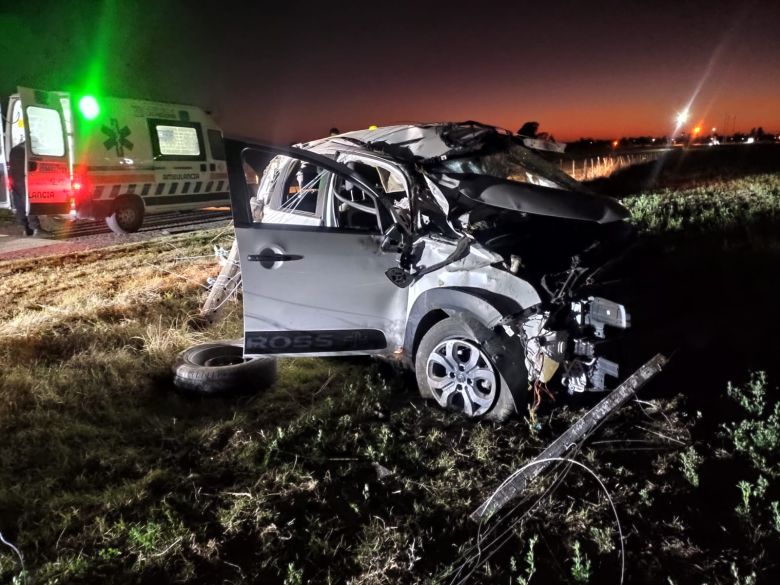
[(225, 285), (516, 482), (381, 471)]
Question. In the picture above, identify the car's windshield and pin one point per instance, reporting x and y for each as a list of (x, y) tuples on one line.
[(515, 163)]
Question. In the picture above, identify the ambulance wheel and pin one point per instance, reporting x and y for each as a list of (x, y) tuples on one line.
[(127, 216), (221, 368)]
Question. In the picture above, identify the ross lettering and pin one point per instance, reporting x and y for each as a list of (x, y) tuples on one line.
[(313, 341)]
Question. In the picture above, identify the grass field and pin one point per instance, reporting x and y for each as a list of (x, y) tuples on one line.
[(341, 474)]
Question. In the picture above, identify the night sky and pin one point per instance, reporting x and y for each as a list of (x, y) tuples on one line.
[(291, 71)]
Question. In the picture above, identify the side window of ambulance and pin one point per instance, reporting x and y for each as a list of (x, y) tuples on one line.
[(45, 128), (177, 141)]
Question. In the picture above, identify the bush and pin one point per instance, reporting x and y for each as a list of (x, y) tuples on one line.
[(716, 207)]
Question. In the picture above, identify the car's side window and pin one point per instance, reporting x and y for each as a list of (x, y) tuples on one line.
[(304, 186), (291, 192), (353, 209), (302, 192)]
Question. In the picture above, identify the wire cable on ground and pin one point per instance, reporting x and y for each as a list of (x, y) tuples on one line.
[(486, 550), (18, 554), (570, 462), (494, 545), (506, 534)]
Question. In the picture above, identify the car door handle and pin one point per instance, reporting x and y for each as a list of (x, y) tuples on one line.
[(273, 257)]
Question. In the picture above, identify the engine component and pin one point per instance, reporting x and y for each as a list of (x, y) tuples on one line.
[(584, 348), (575, 376), (580, 376), (598, 312), (603, 367)]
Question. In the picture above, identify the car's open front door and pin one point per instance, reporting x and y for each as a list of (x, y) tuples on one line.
[(48, 152), (312, 289)]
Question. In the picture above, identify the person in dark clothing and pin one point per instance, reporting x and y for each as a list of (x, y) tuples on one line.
[(17, 160)]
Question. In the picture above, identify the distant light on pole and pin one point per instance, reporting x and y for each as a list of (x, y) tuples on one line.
[(696, 130), (682, 117)]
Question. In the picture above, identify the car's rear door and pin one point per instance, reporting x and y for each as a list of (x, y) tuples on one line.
[(311, 289)]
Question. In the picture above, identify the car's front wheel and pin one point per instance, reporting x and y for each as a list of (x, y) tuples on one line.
[(454, 369)]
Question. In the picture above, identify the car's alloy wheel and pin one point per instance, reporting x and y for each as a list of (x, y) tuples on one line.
[(455, 368), (461, 377)]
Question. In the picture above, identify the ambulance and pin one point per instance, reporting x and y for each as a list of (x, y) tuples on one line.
[(112, 158)]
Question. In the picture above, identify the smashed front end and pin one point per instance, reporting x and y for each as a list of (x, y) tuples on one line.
[(493, 194)]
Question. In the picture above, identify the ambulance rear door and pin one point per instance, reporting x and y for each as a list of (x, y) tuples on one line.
[(48, 151), (5, 196)]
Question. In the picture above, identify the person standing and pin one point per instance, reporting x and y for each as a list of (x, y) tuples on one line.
[(17, 161)]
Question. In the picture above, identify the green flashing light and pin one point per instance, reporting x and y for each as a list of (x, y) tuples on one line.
[(88, 107)]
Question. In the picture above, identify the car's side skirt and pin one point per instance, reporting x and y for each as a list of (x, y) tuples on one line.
[(319, 341)]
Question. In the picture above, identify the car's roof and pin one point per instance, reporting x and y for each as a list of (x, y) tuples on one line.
[(420, 140)]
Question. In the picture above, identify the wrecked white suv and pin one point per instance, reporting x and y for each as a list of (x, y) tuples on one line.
[(452, 248)]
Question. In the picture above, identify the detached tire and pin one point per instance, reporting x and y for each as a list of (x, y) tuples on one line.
[(128, 215), (220, 368), (464, 366)]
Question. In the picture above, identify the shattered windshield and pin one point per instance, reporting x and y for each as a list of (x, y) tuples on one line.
[(515, 163)]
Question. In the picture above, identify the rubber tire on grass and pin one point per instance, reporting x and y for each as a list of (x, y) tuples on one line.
[(198, 371), (504, 357), (116, 221)]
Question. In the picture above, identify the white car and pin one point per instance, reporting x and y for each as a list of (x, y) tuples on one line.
[(452, 248)]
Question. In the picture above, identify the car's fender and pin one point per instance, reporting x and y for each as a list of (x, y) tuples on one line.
[(486, 307)]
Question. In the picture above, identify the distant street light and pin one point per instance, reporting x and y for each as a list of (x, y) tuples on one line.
[(682, 117)]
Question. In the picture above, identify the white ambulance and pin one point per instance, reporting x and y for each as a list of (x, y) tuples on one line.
[(113, 158)]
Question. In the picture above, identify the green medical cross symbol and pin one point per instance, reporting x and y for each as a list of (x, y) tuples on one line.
[(117, 138)]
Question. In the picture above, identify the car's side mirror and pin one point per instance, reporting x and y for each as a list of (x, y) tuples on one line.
[(399, 277)]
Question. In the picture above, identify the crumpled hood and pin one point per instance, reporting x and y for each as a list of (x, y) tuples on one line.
[(544, 201)]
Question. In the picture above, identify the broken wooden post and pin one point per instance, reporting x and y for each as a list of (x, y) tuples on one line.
[(225, 284), (619, 396)]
